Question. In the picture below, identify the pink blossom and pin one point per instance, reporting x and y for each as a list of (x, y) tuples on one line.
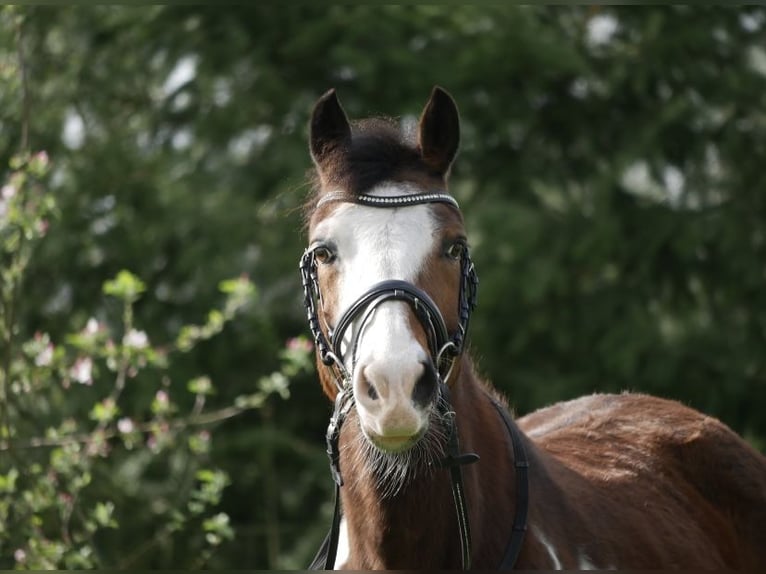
[(99, 446), (45, 357), (82, 371), (20, 556), (135, 339), (125, 425), (162, 397), (42, 227), (7, 191), (92, 326), (299, 344), (42, 157)]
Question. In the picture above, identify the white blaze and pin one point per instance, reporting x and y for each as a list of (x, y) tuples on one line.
[(376, 244)]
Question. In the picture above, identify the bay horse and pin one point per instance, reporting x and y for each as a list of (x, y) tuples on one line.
[(431, 470)]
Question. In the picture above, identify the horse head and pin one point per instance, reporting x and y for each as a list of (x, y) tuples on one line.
[(389, 255)]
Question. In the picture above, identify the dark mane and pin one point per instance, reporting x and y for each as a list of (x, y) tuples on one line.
[(379, 152)]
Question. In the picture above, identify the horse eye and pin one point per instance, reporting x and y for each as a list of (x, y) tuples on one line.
[(324, 254), (456, 250)]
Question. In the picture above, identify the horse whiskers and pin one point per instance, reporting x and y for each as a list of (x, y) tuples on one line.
[(391, 472)]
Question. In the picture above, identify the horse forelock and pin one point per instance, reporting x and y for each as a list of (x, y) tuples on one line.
[(379, 151)]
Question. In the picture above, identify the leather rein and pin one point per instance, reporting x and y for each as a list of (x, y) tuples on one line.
[(444, 349)]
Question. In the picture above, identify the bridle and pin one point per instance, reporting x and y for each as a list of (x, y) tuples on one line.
[(444, 349)]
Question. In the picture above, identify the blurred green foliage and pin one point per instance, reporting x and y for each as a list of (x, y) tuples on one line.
[(610, 173)]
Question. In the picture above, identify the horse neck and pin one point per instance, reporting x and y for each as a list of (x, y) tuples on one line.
[(417, 528), (489, 483)]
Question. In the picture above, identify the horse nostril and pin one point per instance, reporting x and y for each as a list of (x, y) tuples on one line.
[(372, 392), (425, 387)]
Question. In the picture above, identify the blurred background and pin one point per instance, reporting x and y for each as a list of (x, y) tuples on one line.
[(612, 177)]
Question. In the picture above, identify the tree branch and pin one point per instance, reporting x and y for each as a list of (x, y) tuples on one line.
[(204, 419)]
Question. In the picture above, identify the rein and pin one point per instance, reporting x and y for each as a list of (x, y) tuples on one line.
[(444, 351)]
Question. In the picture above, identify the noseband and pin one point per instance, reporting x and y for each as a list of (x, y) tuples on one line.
[(443, 347)]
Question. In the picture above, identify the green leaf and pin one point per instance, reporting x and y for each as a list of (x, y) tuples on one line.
[(125, 286), (8, 481), (240, 286), (104, 411), (218, 529), (102, 514), (201, 386)]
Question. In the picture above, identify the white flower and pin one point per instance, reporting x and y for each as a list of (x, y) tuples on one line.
[(601, 29), (44, 358), (82, 371), (7, 191), (135, 339), (125, 425), (162, 397), (91, 327)]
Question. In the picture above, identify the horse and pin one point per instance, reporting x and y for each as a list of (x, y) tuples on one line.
[(431, 470)]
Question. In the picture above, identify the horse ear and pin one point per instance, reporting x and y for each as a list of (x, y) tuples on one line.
[(329, 127), (439, 131)]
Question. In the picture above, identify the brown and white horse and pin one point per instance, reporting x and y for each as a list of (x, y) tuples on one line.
[(602, 482)]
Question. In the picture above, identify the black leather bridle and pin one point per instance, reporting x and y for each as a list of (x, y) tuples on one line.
[(444, 349)]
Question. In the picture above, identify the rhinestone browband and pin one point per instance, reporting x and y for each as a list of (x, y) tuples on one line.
[(389, 201)]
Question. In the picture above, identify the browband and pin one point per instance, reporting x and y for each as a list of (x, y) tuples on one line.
[(389, 201)]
